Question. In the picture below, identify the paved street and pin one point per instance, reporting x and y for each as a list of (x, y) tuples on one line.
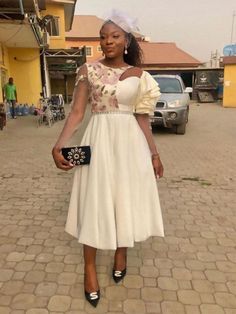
[(191, 271)]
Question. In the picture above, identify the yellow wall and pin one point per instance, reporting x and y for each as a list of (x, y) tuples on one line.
[(24, 64), (4, 68), (57, 42), (94, 44), (25, 70), (229, 97), (4, 60)]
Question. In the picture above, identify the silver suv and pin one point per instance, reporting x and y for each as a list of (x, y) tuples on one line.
[(172, 109)]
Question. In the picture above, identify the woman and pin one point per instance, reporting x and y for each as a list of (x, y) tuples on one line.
[(114, 200)]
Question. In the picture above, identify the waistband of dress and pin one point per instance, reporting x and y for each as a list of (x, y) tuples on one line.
[(113, 112)]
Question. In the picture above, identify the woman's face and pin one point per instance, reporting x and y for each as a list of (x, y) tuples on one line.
[(112, 40)]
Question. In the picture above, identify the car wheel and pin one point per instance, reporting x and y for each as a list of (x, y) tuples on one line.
[(180, 128)]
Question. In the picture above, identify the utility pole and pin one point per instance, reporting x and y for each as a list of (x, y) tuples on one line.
[(232, 30)]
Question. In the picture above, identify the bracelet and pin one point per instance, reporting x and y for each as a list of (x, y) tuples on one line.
[(155, 156)]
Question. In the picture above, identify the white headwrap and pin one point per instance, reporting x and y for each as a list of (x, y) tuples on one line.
[(121, 19)]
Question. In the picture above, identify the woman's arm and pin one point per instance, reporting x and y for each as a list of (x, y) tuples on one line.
[(144, 123), (79, 102)]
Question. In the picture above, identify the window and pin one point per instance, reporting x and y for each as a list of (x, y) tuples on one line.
[(53, 26), (169, 85), (99, 49), (89, 51)]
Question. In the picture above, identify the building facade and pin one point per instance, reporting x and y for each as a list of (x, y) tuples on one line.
[(20, 41), (33, 49), (229, 93)]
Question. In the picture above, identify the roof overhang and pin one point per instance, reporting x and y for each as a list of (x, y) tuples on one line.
[(180, 69), (229, 60), (69, 7), (69, 15), (21, 34), (97, 39), (170, 66), (16, 9), (62, 62)]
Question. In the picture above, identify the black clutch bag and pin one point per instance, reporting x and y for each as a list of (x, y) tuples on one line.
[(77, 155)]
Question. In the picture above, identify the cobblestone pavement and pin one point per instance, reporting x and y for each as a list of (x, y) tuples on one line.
[(192, 270)]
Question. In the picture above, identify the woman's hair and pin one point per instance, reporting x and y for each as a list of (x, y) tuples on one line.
[(135, 55)]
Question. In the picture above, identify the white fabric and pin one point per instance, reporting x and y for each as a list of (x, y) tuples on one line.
[(114, 200), (121, 19), (149, 92)]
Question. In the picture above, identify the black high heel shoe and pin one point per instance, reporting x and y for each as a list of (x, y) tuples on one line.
[(92, 297), (118, 275)]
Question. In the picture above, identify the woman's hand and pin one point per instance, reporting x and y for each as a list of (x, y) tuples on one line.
[(60, 161), (157, 166)]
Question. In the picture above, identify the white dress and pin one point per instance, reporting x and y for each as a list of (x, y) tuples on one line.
[(114, 200)]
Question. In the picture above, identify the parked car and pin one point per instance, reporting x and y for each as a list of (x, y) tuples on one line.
[(172, 108)]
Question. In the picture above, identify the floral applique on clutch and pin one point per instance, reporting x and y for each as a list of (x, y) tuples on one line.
[(77, 155)]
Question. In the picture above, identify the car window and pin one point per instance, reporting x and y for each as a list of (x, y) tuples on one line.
[(169, 85)]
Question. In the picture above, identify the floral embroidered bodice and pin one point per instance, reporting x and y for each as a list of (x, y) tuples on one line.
[(106, 87), (110, 93)]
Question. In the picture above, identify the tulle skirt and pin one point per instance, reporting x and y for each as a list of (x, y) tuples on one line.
[(114, 200)]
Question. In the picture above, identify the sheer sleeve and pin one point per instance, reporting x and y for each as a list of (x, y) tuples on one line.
[(149, 93), (78, 107)]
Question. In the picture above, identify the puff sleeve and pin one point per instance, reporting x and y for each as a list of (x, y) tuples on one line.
[(148, 94)]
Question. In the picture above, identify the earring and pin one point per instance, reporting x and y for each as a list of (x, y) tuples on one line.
[(126, 51)]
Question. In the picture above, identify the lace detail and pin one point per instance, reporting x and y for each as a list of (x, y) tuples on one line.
[(103, 84), (104, 94), (81, 78)]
